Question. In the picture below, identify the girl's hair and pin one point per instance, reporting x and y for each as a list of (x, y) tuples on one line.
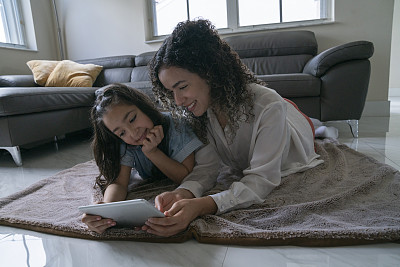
[(197, 47), (105, 144)]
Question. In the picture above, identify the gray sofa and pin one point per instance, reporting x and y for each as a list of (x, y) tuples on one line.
[(328, 86)]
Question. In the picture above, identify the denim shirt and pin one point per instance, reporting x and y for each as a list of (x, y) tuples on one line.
[(181, 143)]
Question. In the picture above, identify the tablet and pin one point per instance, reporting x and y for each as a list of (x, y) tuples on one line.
[(126, 213)]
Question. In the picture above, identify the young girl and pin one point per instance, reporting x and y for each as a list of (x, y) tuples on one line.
[(129, 132), (247, 126)]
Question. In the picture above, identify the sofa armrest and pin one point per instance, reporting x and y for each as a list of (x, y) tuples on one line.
[(17, 81), (321, 63)]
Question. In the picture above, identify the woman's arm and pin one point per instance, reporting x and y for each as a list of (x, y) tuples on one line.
[(185, 203)]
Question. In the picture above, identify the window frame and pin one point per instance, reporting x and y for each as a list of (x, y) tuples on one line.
[(327, 6), (14, 24)]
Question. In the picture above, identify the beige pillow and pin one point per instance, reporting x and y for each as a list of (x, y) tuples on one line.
[(71, 74), (41, 69)]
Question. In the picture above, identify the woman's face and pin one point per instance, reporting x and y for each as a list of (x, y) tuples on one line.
[(128, 122), (190, 91)]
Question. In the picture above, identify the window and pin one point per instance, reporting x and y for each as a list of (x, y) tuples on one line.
[(11, 24), (239, 15)]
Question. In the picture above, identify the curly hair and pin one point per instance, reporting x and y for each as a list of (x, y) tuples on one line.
[(105, 144), (197, 47)]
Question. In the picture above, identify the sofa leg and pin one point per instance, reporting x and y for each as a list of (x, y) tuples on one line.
[(15, 153), (353, 127)]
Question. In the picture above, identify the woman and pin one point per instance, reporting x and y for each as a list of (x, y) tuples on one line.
[(246, 126)]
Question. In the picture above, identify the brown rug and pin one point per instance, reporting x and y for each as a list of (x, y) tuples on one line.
[(350, 199)]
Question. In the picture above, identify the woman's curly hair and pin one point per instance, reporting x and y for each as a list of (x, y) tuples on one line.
[(197, 47), (105, 144)]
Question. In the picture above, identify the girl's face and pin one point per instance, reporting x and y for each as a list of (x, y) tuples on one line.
[(190, 91), (128, 122)]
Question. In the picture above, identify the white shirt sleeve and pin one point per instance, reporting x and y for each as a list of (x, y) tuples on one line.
[(264, 172), (204, 174)]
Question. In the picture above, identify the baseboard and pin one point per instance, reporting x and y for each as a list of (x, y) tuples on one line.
[(394, 92), (376, 109)]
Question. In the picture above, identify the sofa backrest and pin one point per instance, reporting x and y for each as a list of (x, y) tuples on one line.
[(275, 52), (141, 71), (115, 69)]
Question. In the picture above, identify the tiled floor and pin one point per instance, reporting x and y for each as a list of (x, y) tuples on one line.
[(378, 138)]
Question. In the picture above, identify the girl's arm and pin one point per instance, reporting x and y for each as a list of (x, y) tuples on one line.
[(118, 189), (173, 169), (114, 192)]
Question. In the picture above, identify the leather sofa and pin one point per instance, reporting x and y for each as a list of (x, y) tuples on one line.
[(32, 114), (328, 86)]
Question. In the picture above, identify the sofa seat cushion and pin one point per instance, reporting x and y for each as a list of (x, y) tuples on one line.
[(23, 100), (293, 85)]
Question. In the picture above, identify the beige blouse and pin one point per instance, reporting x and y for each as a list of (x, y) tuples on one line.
[(278, 142)]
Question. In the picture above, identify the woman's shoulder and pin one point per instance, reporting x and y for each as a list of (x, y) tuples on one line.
[(263, 95)]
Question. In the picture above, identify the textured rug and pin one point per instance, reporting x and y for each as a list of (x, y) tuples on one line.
[(349, 199)]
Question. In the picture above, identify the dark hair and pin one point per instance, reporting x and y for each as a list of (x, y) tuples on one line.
[(197, 47), (105, 144)]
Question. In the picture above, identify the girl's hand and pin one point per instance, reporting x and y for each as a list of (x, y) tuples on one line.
[(97, 223), (180, 215), (153, 139)]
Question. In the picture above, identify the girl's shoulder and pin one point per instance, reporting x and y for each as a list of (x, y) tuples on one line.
[(175, 124)]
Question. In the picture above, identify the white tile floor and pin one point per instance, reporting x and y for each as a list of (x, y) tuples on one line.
[(378, 138)]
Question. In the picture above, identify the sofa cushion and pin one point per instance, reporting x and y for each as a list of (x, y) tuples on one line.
[(71, 74), (109, 76), (144, 58), (293, 85), (144, 87), (20, 80), (140, 74), (115, 69), (141, 71), (277, 64), (41, 69), (22, 100), (126, 61), (274, 44)]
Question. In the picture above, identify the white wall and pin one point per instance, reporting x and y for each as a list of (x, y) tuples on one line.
[(96, 28), (394, 80), (13, 61)]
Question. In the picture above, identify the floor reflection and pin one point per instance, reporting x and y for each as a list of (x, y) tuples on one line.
[(22, 250)]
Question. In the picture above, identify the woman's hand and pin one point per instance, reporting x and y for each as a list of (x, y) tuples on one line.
[(165, 200), (180, 215), (153, 139)]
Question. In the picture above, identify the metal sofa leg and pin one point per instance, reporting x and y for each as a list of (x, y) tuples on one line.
[(353, 127), (15, 153)]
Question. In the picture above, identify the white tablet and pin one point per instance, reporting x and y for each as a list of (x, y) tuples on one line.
[(126, 213)]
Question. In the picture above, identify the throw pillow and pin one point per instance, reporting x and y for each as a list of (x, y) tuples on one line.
[(41, 69), (71, 74)]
